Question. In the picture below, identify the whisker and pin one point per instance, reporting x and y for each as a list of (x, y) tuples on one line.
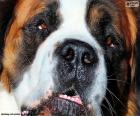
[(102, 112), (111, 75), (125, 82), (110, 107), (112, 94), (105, 107)]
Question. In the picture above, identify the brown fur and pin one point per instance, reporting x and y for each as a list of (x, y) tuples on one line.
[(129, 29), (24, 11)]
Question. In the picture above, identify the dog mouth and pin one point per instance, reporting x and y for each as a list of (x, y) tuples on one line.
[(64, 104)]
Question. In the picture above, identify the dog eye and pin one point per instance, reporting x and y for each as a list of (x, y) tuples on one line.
[(42, 26), (109, 42)]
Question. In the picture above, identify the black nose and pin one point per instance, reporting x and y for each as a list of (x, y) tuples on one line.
[(75, 65), (74, 51)]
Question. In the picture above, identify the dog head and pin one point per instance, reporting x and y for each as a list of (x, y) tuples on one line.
[(71, 48)]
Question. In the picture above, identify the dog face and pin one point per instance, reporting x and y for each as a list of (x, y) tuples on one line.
[(70, 48)]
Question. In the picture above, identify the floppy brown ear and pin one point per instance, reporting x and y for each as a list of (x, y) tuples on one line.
[(6, 9), (128, 22), (130, 29), (133, 106)]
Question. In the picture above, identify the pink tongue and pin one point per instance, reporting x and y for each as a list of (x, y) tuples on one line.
[(75, 99)]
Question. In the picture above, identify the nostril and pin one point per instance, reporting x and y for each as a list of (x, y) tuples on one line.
[(76, 53), (89, 58), (68, 54)]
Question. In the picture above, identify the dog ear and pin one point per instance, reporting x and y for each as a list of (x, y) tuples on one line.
[(135, 92), (6, 10)]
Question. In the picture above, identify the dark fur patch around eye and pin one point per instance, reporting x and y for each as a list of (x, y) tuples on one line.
[(48, 17), (33, 36), (102, 24)]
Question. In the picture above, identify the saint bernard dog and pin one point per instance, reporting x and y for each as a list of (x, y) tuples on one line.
[(68, 57)]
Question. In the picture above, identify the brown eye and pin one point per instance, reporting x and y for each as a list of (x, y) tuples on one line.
[(42, 26), (109, 42)]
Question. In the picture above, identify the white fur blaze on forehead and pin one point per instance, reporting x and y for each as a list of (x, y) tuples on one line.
[(73, 14), (73, 9)]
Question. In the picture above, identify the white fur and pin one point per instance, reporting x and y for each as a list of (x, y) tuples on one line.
[(39, 77), (7, 102)]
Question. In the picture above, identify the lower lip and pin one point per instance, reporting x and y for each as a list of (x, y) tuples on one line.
[(70, 104)]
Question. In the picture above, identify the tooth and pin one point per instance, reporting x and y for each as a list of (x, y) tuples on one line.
[(68, 98), (65, 96), (60, 95), (72, 99)]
